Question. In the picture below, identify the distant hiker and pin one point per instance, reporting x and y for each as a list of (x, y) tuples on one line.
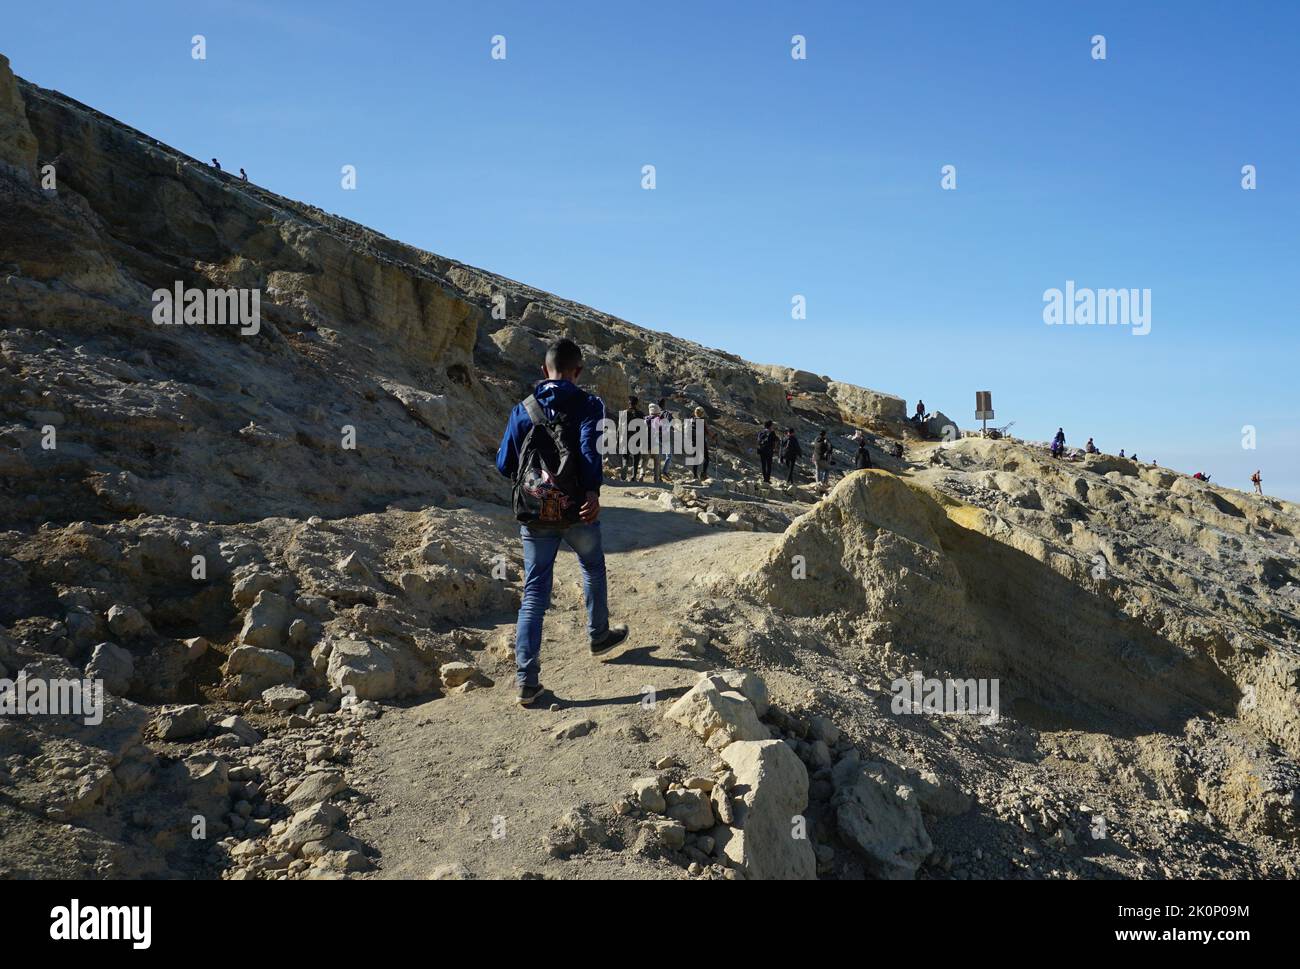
[(897, 449), (549, 451), (822, 450), (216, 164), (702, 434), (631, 463), (660, 440), (1258, 482), (791, 452), (1121, 452), (243, 174), (919, 416), (862, 459), (1201, 476), (1058, 443), (766, 449), (1133, 457), (789, 396), (1091, 448)]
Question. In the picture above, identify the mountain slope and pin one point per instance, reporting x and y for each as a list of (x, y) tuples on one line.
[(240, 533)]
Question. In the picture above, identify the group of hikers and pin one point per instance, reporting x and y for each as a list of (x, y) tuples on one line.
[(790, 451), (633, 463), (217, 165), (772, 446), (1058, 450)]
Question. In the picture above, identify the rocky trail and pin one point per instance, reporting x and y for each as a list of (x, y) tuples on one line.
[(474, 784)]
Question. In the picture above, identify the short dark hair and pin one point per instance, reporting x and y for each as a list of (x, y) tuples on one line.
[(767, 423), (563, 356)]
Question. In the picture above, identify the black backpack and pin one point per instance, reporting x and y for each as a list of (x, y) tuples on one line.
[(547, 489)]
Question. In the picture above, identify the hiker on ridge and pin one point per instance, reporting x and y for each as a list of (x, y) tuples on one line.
[(791, 452), (1091, 448), (766, 449), (919, 416), (549, 450), (822, 450), (1258, 482), (862, 459), (1058, 443)]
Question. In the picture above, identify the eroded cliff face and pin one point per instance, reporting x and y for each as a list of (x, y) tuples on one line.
[(358, 332), (236, 530)]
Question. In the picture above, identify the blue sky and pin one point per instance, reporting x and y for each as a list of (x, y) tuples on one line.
[(778, 177)]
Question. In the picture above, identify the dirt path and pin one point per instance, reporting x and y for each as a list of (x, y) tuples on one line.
[(475, 780)]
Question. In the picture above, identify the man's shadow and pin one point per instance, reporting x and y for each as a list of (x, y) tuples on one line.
[(641, 656)]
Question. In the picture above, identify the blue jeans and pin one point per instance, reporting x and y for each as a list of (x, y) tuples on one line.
[(541, 545)]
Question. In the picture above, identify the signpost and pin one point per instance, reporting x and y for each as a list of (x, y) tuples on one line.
[(984, 408)]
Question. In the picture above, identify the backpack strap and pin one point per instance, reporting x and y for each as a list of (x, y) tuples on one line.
[(534, 409)]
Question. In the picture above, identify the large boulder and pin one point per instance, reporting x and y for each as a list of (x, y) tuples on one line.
[(267, 621), (362, 669), (749, 685), (112, 664), (858, 405), (255, 669), (717, 713), (879, 819), (770, 796)]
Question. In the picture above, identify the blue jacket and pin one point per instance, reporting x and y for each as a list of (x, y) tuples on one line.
[(562, 397)]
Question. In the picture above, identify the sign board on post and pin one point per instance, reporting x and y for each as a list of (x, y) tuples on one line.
[(984, 407)]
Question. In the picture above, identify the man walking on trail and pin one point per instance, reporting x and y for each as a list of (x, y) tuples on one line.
[(791, 452), (766, 449), (549, 451), (1258, 482)]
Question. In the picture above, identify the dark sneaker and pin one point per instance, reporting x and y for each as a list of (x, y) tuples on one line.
[(606, 645), (526, 696)]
